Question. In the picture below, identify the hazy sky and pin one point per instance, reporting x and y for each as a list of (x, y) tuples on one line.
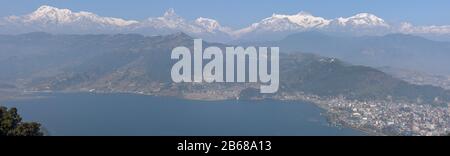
[(239, 13)]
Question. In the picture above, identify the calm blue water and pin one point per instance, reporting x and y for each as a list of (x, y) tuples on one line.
[(125, 114)]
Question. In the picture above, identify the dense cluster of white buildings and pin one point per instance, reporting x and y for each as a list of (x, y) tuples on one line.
[(383, 117)]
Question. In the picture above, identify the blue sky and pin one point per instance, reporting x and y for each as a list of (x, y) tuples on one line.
[(240, 13)]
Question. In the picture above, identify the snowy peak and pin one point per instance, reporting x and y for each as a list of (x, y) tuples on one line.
[(46, 10), (409, 28), (304, 19), (283, 23), (47, 15), (207, 23), (169, 20), (171, 15), (50, 14), (362, 20), (210, 25)]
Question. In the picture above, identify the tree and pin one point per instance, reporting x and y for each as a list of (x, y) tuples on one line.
[(11, 124)]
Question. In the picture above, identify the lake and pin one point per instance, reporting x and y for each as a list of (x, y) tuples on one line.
[(130, 115)]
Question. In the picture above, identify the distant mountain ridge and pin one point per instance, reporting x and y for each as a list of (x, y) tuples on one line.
[(396, 50), (64, 21), (139, 64)]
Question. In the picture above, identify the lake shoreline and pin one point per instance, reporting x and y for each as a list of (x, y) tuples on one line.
[(365, 132)]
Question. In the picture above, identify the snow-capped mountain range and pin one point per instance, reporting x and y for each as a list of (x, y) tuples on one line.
[(55, 20), (47, 18)]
